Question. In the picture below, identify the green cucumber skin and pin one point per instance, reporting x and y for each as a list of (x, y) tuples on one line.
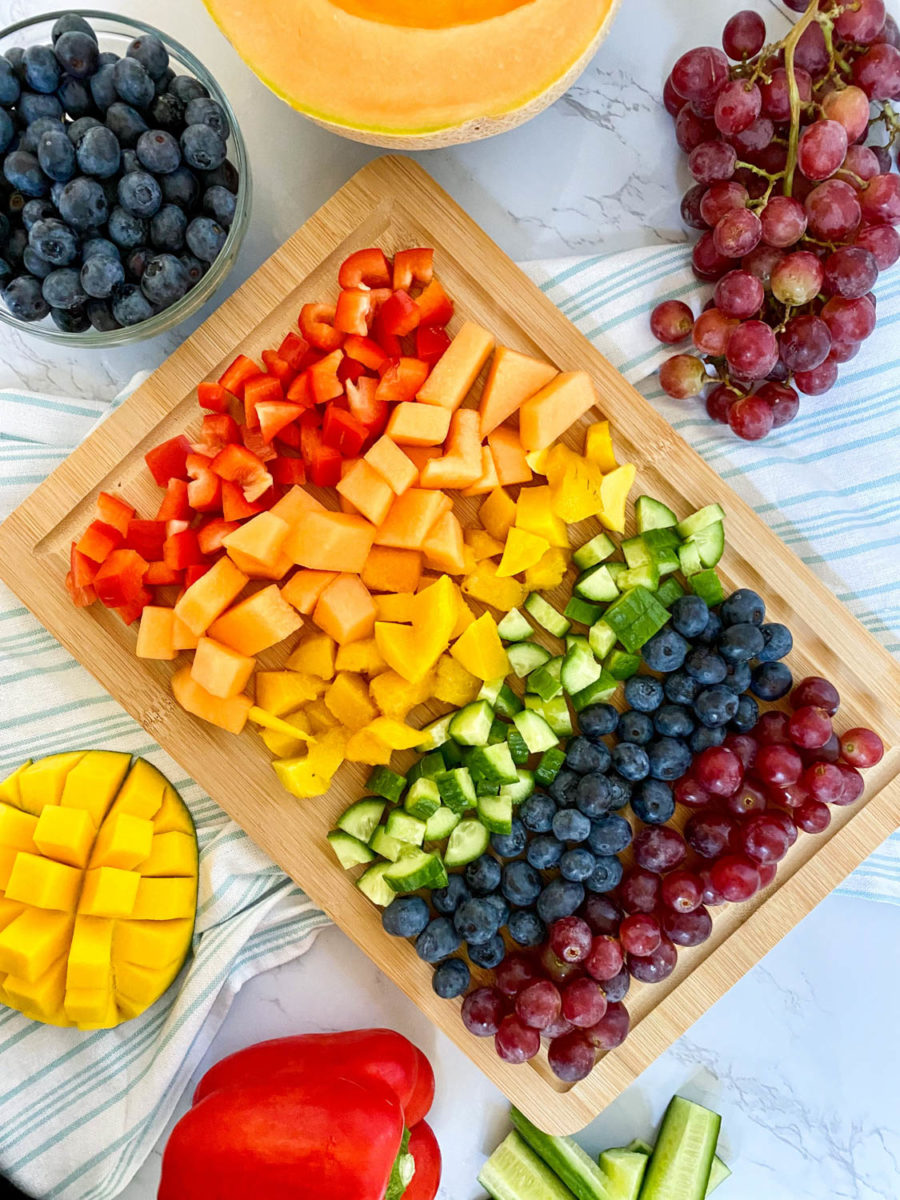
[(577, 1170), (678, 1171), (515, 1172)]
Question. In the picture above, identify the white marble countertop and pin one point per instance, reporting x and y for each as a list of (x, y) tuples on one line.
[(802, 1056)]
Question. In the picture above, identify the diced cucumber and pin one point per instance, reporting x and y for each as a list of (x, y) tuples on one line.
[(635, 617), (601, 638), (710, 543), (616, 570), (517, 748), (416, 869), (498, 732), (468, 841), (536, 733), (349, 851), (624, 1170), (622, 665), (385, 782), (435, 734), (441, 824), (372, 884), (668, 592), (426, 767), (579, 669), (360, 819), (653, 514), (515, 1172), (453, 754), (700, 519), (555, 712), (457, 789), (507, 703), (522, 788), (493, 763), (689, 558), (681, 1162), (384, 845), (515, 627), (718, 1174), (661, 539), (579, 610), (645, 576), (565, 1158), (405, 827), (495, 813), (525, 657), (637, 552), (472, 725), (667, 561), (708, 586), (546, 615), (423, 798), (596, 584), (576, 639), (598, 692), (593, 552), (549, 767), (545, 681), (484, 787), (490, 690)]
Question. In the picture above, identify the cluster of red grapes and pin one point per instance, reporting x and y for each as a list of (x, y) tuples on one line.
[(797, 212), (750, 795)]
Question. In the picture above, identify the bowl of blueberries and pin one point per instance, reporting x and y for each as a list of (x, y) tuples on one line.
[(124, 180)]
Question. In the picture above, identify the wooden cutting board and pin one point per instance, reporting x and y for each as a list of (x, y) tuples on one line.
[(393, 203)]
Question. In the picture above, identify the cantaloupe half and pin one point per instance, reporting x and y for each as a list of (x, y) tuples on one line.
[(416, 74)]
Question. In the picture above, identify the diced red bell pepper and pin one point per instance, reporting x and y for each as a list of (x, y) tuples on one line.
[(236, 508), (194, 572), (98, 541), (379, 295), (431, 342), (256, 444), (213, 396), (369, 267), (323, 378), (212, 533), (159, 575), (413, 266), (288, 471), (293, 350), (402, 380), (82, 568), (300, 392), (364, 350), (175, 505), (167, 461), (81, 597), (182, 550), (290, 436), (120, 579), (130, 612), (309, 424), (342, 431), (258, 390), (275, 415), (239, 465), (325, 468), (234, 379), (351, 314), (390, 344), (217, 430), (205, 487), (350, 369), (366, 406), (147, 538), (317, 326), (434, 305), (113, 511), (282, 371), (399, 314), (176, 527)]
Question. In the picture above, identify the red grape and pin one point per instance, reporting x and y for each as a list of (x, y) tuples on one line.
[(570, 939), (811, 53), (718, 770), (860, 165), (833, 210), (708, 263), (709, 833), (744, 35), (583, 1002), (719, 402), (761, 262), (691, 203), (752, 353), (711, 161), (640, 933), (736, 877), (877, 72), (515, 1042), (737, 233), (772, 729), (890, 33), (482, 1011), (810, 727), (639, 890), (849, 320), (783, 401), (682, 891), (849, 107), (720, 198), (739, 294), (751, 418), (617, 988), (682, 376), (850, 272), (672, 321), (862, 21), (778, 764), (797, 278), (659, 848), (882, 242), (691, 130), (812, 816), (767, 872), (763, 839), (557, 1028), (790, 796), (842, 352), (861, 747), (712, 897), (612, 1029), (656, 966), (776, 97), (822, 148), (744, 745), (515, 972), (747, 799), (880, 199), (700, 73), (817, 691), (605, 959), (601, 914), (819, 380), (830, 752), (804, 343), (571, 1057), (538, 1004), (824, 782), (854, 785), (783, 221), (737, 106), (672, 101), (688, 791), (711, 332), (687, 928), (785, 822), (554, 966), (754, 144)]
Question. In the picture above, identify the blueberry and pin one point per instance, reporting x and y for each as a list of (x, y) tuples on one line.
[(777, 642), (597, 720), (186, 88), (164, 280), (702, 738), (631, 761), (475, 920), (636, 728), (54, 241), (564, 786), (41, 68), (594, 795), (451, 978), (738, 677), (669, 758), (489, 954), (35, 265), (560, 898), (100, 274), (100, 316), (133, 85), (771, 681), (9, 85), (606, 875), (79, 128), (616, 989), (181, 187), (448, 899), (125, 122), (715, 706), (69, 23), (746, 716), (150, 52), (103, 87), (83, 204), (24, 299), (108, 58), (99, 153), (439, 940), (610, 835), (75, 97), (34, 211), (673, 720), (202, 147), (537, 812), (653, 802), (98, 245), (406, 916), (203, 111), (162, 83), (483, 875), (77, 53), (139, 193), (689, 615), (620, 791), (704, 665), (4, 222), (681, 688), (136, 261), (167, 228), (15, 245), (225, 176), (708, 635), (740, 642), (205, 238), (526, 928), (743, 606), (62, 288), (577, 864), (126, 230), (544, 851), (167, 112), (7, 130), (158, 151), (56, 155), (24, 172), (194, 267), (570, 825), (584, 756), (643, 693), (665, 651), (521, 884), (501, 908), (510, 845), (129, 304), (31, 137), (15, 56)]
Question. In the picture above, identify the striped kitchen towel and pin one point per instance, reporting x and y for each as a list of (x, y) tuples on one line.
[(79, 1112)]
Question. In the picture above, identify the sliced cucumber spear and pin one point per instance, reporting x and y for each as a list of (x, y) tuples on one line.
[(681, 1162), (514, 1172), (565, 1157)]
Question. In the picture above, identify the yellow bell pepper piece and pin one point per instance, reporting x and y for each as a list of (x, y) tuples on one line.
[(598, 446), (396, 606), (535, 514), (397, 696), (614, 494), (455, 685), (523, 550), (311, 775), (365, 747), (362, 656), (549, 572), (398, 647), (348, 700), (497, 513), (480, 650), (484, 585), (482, 543), (314, 655), (537, 460)]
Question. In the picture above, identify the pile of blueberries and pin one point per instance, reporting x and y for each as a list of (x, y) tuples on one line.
[(563, 851), (117, 192)]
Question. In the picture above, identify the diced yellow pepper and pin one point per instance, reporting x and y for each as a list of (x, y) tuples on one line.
[(153, 943), (455, 685), (279, 692), (534, 513), (537, 460), (549, 572), (614, 494), (365, 747), (123, 841), (90, 954), (395, 734), (43, 782), (484, 585), (480, 650), (172, 854), (9, 787), (497, 513), (94, 783), (314, 655), (435, 617), (319, 719), (598, 446), (17, 828), (43, 883), (396, 606), (65, 834), (362, 656), (34, 940), (396, 696), (164, 899), (523, 550), (482, 543), (108, 892), (311, 775), (348, 700)]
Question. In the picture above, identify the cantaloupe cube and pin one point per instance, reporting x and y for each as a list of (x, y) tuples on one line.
[(512, 379), (314, 655), (142, 793), (90, 954), (173, 814), (549, 413), (394, 608), (164, 899), (345, 610), (392, 464), (153, 944), (65, 834), (523, 550), (420, 455), (182, 637), (230, 715), (303, 589), (172, 854), (156, 633), (497, 514), (396, 696), (330, 541), (480, 650), (389, 569), (34, 940), (91, 1008), (455, 685), (17, 828), (534, 512), (254, 569), (411, 517), (280, 692), (367, 490), (124, 841), (295, 504), (210, 595), (93, 783), (43, 883), (444, 549), (43, 782), (108, 892), (488, 479), (413, 424), (39, 997), (462, 463), (255, 624), (458, 367), (509, 456), (9, 787), (260, 538), (348, 701), (362, 656), (223, 672)]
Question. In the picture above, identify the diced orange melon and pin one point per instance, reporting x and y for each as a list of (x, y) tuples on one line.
[(509, 456), (367, 490), (230, 715), (413, 424), (392, 464), (260, 538), (389, 569), (461, 464), (156, 633), (512, 379), (254, 569), (488, 479), (444, 549), (345, 610), (411, 517), (420, 455), (223, 672), (549, 413), (497, 513), (183, 638), (295, 504), (330, 541), (210, 595), (260, 621), (304, 588), (458, 367)]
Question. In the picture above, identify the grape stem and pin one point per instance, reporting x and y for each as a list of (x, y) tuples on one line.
[(790, 46)]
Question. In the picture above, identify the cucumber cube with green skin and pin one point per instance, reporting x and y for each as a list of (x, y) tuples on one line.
[(349, 851), (490, 689), (709, 543), (517, 748), (372, 884), (580, 611), (484, 787), (700, 519), (457, 789), (637, 552), (593, 552), (423, 798), (546, 615), (495, 813), (493, 763), (471, 726), (689, 558), (579, 669), (598, 692), (667, 561), (597, 584), (452, 754), (653, 514), (515, 627), (435, 734), (536, 733), (468, 841), (361, 819), (498, 731), (545, 681), (508, 703), (646, 576), (405, 827), (555, 712), (661, 539), (616, 570), (522, 788), (549, 767), (576, 640), (525, 657), (428, 766), (601, 638), (441, 824), (708, 586), (635, 617), (385, 845), (622, 665), (416, 869), (668, 592), (387, 783)]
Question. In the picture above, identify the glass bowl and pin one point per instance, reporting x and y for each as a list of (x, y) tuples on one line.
[(114, 33)]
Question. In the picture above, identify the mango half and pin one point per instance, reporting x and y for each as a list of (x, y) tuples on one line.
[(98, 888)]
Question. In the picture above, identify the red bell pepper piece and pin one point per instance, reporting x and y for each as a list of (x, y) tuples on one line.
[(275, 415), (194, 572), (81, 597), (413, 266), (324, 464), (167, 461), (255, 442), (288, 471), (364, 350), (281, 370), (294, 350), (434, 305), (323, 378), (176, 527), (342, 432), (83, 569), (182, 550), (113, 511), (399, 315), (236, 376), (350, 369), (239, 465), (147, 538), (402, 380), (367, 267), (352, 311), (426, 1154), (300, 392), (159, 575), (131, 612), (212, 396), (389, 342), (205, 488), (317, 326), (366, 406), (120, 580), (236, 508), (290, 436), (98, 541), (217, 430), (431, 342), (175, 505), (259, 389), (212, 533)]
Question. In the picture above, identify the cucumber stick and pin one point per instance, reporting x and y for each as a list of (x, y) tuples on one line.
[(681, 1162), (717, 1175), (565, 1157), (514, 1172)]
